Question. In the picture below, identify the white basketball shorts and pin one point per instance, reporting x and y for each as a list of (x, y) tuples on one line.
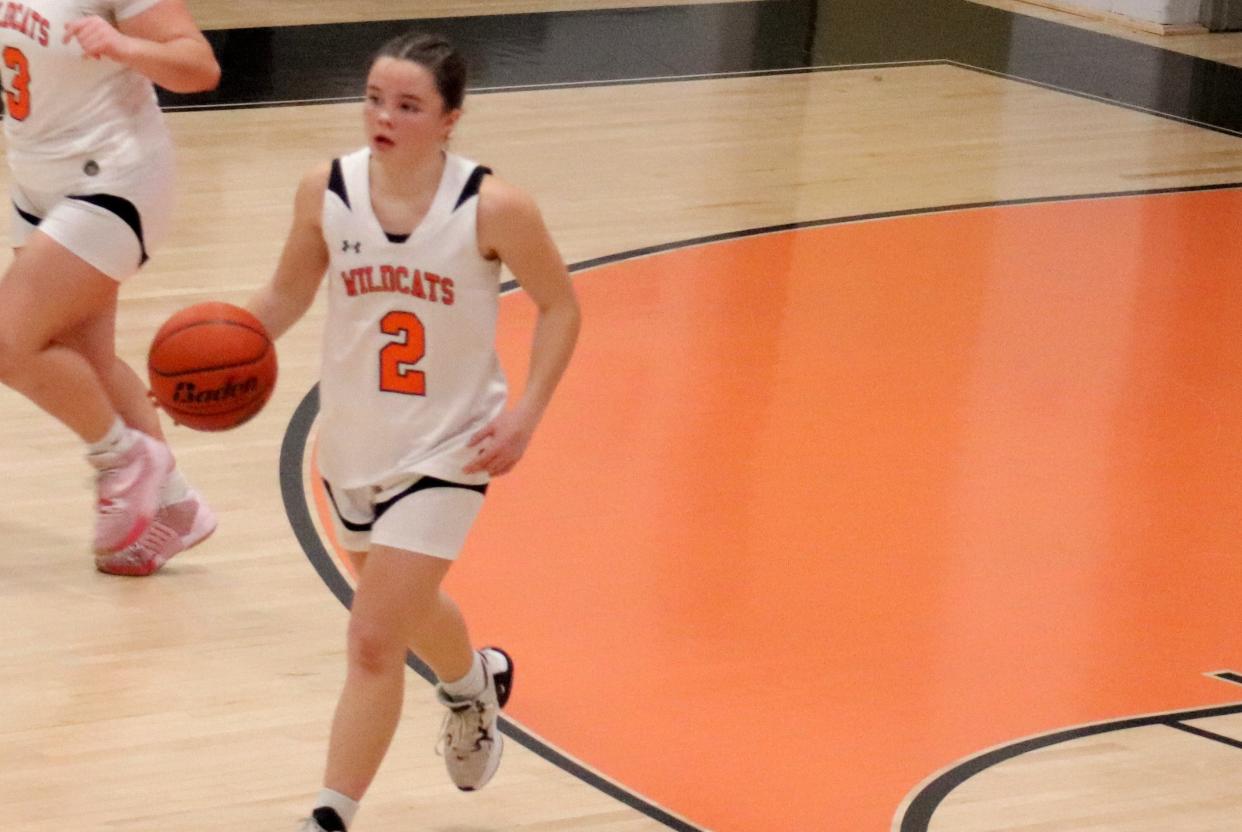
[(110, 217), (419, 514)]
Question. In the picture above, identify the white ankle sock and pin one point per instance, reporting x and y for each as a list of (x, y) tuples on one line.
[(174, 488), (118, 439), (344, 806), (470, 686)]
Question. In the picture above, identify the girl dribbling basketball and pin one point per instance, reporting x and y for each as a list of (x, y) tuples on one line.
[(412, 239)]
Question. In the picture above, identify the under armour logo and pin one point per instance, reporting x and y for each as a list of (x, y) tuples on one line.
[(346, 245)]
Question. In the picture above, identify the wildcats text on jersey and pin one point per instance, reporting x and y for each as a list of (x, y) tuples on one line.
[(423, 285), (30, 23)]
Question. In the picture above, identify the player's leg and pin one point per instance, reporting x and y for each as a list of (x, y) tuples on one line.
[(397, 590), (47, 292), (434, 517), (398, 604), (398, 593), (353, 514)]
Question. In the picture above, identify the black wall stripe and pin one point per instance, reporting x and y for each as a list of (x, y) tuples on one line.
[(330, 61)]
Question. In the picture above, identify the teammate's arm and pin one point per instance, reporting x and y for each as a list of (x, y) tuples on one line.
[(511, 228), (163, 43), (291, 291)]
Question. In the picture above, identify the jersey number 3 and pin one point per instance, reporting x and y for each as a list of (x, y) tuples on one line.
[(398, 358), (17, 99)]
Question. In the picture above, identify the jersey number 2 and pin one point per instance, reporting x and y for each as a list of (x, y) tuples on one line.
[(17, 100), (397, 359)]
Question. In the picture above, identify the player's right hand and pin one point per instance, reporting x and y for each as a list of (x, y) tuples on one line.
[(98, 38)]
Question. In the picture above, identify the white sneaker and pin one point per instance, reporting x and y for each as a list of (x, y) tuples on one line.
[(127, 491), (470, 741), (176, 527)]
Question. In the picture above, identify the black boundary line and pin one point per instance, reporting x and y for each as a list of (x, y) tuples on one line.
[(1228, 676), (1209, 735), (1096, 98), (919, 808), (293, 493), (292, 452), (608, 82)]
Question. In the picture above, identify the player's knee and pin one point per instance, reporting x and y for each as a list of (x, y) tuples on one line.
[(373, 647)]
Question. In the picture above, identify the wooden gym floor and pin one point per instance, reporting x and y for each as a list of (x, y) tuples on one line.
[(893, 486)]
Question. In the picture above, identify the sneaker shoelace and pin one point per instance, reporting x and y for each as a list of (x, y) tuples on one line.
[(462, 731)]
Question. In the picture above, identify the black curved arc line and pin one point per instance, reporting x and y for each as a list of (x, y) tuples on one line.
[(647, 251), (294, 495), (292, 451), (918, 814)]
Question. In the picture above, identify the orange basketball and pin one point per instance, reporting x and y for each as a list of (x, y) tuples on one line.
[(212, 366)]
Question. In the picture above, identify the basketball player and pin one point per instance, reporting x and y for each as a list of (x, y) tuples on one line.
[(413, 418), (91, 166)]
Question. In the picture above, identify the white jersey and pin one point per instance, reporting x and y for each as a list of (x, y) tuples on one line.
[(62, 106), (410, 370)]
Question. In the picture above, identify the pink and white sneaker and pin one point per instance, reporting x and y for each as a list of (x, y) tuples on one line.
[(127, 491), (177, 526)]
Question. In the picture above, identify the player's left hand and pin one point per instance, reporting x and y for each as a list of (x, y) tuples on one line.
[(500, 445), (98, 38)]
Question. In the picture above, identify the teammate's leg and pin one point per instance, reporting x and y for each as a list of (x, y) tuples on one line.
[(48, 292)]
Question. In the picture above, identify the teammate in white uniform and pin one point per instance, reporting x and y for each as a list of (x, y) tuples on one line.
[(91, 166), (413, 419)]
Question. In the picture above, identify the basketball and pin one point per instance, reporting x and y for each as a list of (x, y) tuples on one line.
[(212, 366)]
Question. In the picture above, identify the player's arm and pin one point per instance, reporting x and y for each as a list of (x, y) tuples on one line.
[(291, 291), (162, 42), (512, 228)]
